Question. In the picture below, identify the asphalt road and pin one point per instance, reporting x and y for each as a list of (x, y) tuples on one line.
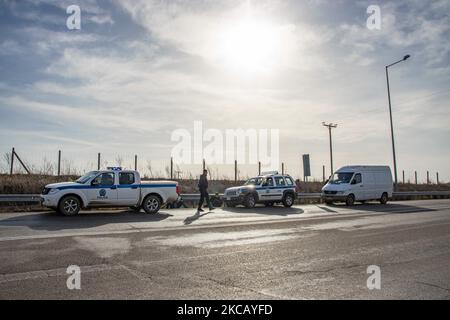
[(306, 252)]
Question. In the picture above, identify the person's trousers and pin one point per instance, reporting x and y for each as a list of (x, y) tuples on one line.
[(204, 195)]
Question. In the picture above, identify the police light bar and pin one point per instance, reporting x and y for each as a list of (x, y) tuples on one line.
[(114, 168), (269, 173)]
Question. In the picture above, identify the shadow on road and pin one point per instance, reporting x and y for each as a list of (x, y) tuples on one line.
[(391, 207), (51, 221), (196, 216), (272, 211)]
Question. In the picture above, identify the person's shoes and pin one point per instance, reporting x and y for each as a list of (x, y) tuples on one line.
[(200, 210), (211, 209)]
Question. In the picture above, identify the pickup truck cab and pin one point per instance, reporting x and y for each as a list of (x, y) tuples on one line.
[(268, 188), (113, 187)]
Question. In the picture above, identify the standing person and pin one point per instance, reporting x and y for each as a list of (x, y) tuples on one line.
[(203, 187)]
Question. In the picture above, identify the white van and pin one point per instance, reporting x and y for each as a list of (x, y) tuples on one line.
[(359, 183)]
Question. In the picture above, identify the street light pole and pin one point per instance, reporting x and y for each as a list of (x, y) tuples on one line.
[(390, 117), (330, 126)]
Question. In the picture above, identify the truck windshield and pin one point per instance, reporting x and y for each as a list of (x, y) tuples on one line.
[(254, 182), (88, 176), (341, 177)]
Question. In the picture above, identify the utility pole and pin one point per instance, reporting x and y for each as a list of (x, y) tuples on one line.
[(330, 126)]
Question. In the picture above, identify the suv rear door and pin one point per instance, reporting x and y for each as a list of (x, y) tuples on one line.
[(280, 184)]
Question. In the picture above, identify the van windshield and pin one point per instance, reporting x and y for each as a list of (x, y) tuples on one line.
[(341, 177)]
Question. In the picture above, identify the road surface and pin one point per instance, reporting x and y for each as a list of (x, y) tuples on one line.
[(305, 252)]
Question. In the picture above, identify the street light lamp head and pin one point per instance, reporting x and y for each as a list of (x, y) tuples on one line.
[(406, 57)]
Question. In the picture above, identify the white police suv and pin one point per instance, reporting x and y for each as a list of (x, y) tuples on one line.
[(268, 188), (113, 187)]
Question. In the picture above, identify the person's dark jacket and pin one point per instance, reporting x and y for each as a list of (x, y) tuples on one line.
[(203, 183)]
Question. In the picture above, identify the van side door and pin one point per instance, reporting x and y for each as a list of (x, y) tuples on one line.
[(129, 191), (357, 187)]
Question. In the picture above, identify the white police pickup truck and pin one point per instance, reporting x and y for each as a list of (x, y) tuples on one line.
[(113, 187), (268, 188)]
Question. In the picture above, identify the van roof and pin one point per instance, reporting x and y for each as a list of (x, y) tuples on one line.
[(354, 168)]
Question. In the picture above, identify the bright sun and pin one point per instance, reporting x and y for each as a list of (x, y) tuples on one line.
[(249, 46)]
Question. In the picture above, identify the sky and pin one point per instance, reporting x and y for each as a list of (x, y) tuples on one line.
[(138, 70)]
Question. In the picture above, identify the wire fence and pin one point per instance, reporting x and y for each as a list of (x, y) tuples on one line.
[(73, 163)]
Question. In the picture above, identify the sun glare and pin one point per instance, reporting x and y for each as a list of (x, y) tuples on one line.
[(249, 46)]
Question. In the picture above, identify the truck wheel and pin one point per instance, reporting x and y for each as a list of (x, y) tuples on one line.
[(250, 201), (288, 200), (69, 206), (151, 204), (384, 198), (350, 200)]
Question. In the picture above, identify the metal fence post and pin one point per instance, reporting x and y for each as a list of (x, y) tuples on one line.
[(98, 161), (415, 176), (428, 177), (12, 161), (59, 163), (135, 162), (171, 167), (282, 168), (259, 168), (437, 177), (403, 176), (235, 170)]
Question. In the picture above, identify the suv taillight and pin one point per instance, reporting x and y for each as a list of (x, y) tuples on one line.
[(178, 189)]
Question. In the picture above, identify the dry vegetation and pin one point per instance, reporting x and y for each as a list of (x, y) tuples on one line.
[(33, 184)]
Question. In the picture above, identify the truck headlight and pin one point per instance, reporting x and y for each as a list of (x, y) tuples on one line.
[(53, 191)]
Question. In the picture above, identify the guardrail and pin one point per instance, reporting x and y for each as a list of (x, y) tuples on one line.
[(35, 198)]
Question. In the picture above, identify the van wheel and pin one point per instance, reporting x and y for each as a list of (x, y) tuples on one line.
[(151, 204), (69, 206), (384, 198), (250, 201), (288, 200), (350, 200)]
